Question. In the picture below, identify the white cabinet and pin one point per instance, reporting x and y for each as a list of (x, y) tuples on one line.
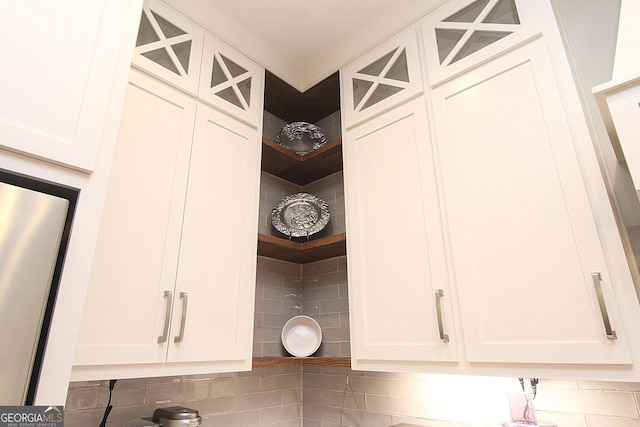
[(381, 79), (62, 62), (525, 244), (176, 249), (179, 52), (399, 297), (230, 82), (465, 33), (169, 47), (217, 260), (491, 196)]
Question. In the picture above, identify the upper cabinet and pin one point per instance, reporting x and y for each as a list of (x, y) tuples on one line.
[(172, 283), (480, 236), (230, 82), (173, 278), (399, 294), (179, 52), (169, 47), (381, 79), (466, 33), (400, 301), (525, 243), (81, 51)]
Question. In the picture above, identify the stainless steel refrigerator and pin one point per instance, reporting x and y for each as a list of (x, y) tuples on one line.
[(33, 224)]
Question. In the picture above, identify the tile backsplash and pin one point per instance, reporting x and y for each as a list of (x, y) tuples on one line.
[(264, 397), (314, 397), (317, 289)]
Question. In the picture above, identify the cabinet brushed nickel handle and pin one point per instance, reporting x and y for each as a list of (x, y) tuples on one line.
[(185, 299), (444, 337), (168, 296), (597, 279)]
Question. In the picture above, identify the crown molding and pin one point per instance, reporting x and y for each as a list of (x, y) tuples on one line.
[(402, 16), (303, 76)]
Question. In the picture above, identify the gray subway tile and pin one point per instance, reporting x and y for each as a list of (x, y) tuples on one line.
[(234, 386), (235, 419), (280, 413), (177, 392)]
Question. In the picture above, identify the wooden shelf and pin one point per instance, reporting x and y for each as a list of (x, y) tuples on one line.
[(302, 253), (301, 170), (280, 362)]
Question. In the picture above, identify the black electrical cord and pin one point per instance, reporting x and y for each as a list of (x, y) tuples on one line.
[(107, 410)]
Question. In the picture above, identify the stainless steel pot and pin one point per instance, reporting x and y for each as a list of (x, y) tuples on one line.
[(177, 416)]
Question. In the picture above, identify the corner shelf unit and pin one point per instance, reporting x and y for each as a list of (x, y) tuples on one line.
[(280, 362), (301, 170), (302, 253)]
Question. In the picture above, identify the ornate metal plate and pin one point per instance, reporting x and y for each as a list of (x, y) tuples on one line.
[(301, 137), (300, 215)]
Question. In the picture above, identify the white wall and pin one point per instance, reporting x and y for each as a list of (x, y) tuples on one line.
[(627, 53), (590, 30)]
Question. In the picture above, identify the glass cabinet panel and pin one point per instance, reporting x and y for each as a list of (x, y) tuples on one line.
[(463, 33), (169, 47), (463, 40), (383, 78)]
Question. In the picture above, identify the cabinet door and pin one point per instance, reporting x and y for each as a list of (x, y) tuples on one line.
[(169, 47), (137, 249), (465, 33), (65, 69), (525, 243), (218, 251), (395, 242), (381, 79), (231, 82)]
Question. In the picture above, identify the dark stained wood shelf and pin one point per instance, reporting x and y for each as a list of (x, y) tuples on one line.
[(280, 362), (302, 253), (301, 170)]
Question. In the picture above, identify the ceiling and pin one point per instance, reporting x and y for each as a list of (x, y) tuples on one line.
[(304, 30), (303, 42)]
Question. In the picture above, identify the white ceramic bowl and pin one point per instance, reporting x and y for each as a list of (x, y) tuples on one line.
[(301, 336)]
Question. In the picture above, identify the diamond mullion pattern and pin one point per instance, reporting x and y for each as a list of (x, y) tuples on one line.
[(166, 44), (380, 80), (231, 82), (462, 34), (477, 26), (169, 47)]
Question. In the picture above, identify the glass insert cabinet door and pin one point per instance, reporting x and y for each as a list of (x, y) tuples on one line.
[(230, 81), (169, 47), (381, 79), (183, 54), (465, 33)]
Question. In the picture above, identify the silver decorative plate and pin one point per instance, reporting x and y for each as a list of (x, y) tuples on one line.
[(300, 215), (301, 137)]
